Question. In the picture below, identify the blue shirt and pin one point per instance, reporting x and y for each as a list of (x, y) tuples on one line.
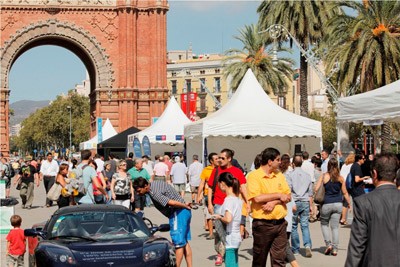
[(88, 173), (300, 184)]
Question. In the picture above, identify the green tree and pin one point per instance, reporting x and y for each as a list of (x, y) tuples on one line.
[(49, 126), (304, 20), (254, 56), (365, 44), (328, 125)]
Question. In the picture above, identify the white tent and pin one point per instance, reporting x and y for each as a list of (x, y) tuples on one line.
[(166, 134), (250, 122), (108, 131), (378, 104)]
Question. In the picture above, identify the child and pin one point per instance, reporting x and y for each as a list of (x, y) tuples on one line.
[(231, 214), (15, 243)]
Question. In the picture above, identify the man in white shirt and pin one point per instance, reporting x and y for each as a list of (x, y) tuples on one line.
[(148, 165), (307, 166), (178, 176), (48, 173), (194, 172)]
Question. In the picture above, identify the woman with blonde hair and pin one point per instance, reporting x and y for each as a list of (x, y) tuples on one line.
[(121, 186), (344, 171), (335, 190)]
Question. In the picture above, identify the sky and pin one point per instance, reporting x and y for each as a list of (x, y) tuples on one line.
[(44, 72)]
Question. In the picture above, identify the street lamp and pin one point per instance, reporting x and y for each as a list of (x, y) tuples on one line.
[(70, 130)]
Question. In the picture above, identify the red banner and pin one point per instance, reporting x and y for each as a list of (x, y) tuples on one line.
[(189, 110)]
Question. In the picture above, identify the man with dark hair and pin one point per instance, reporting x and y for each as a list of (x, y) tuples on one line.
[(357, 175), (170, 203), (325, 159), (89, 178), (129, 161), (301, 186), (48, 172), (269, 192), (138, 171), (375, 235)]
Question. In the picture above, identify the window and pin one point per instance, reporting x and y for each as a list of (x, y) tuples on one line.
[(202, 85), (202, 72), (217, 85), (174, 74), (282, 101), (217, 70), (188, 85), (174, 89), (180, 57)]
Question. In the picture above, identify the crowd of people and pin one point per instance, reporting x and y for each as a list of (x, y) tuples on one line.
[(274, 199)]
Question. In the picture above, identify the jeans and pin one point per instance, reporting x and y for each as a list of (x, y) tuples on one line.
[(302, 211), (231, 257), (330, 215)]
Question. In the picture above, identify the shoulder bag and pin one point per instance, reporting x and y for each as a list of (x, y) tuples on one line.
[(54, 192), (320, 194)]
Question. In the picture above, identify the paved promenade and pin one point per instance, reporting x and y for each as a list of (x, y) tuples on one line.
[(203, 250)]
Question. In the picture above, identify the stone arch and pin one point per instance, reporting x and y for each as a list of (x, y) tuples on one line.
[(63, 34)]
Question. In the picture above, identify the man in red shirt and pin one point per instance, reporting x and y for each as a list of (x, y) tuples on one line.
[(214, 204)]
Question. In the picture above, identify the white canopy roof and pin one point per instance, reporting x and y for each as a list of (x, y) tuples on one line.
[(379, 104), (169, 124), (108, 131), (250, 112)]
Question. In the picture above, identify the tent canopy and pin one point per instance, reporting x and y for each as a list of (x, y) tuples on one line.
[(169, 125), (250, 112), (250, 122), (118, 141), (378, 104), (108, 131)]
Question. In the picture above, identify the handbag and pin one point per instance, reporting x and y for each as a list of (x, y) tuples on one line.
[(54, 192), (320, 194)]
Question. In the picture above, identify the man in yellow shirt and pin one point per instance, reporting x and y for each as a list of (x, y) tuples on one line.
[(268, 192), (203, 187)]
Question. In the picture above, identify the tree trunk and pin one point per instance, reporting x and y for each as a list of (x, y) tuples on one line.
[(303, 87), (386, 137)]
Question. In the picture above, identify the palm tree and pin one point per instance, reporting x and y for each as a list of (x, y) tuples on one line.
[(365, 44), (304, 20), (273, 77)]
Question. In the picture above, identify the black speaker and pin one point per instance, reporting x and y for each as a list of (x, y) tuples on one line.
[(297, 149)]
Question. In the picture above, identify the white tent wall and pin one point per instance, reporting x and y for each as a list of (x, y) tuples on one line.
[(159, 149), (194, 146), (247, 149)]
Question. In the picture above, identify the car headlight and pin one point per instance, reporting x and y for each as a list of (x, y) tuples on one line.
[(61, 255), (153, 252)]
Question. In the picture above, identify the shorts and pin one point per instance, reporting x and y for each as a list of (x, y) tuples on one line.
[(179, 222), (180, 187), (194, 189), (8, 183), (140, 201), (14, 260)]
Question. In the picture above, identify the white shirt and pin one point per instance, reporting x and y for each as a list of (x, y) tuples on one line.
[(148, 167), (49, 168), (178, 173), (345, 170), (308, 168), (100, 164), (194, 172), (234, 206)]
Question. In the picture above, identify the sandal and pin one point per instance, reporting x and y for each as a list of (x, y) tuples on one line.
[(328, 250), (343, 222), (334, 252)]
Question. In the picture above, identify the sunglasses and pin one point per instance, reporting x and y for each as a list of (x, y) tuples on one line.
[(123, 164)]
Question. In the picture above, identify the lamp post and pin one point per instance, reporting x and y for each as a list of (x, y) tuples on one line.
[(70, 130)]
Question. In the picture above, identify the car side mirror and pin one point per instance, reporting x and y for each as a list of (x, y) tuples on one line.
[(34, 233), (161, 228)]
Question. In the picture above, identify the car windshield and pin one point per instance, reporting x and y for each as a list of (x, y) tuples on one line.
[(98, 225)]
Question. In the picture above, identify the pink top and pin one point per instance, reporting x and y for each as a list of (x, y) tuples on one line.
[(161, 169)]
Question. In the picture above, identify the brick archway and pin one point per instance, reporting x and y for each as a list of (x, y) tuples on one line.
[(122, 43)]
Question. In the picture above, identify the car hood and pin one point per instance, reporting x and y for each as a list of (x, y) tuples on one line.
[(109, 253)]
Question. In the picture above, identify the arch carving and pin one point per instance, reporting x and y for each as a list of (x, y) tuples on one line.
[(53, 28)]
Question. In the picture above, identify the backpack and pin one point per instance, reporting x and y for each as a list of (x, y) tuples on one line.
[(349, 182), (9, 171)]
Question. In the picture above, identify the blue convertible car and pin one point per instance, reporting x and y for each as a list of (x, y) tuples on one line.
[(100, 235)]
